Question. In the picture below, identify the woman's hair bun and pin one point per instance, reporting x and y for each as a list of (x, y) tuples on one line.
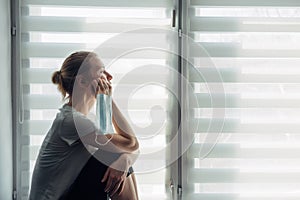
[(56, 77)]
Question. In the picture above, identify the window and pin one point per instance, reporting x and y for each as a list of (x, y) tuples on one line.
[(247, 142), (51, 30), (236, 79)]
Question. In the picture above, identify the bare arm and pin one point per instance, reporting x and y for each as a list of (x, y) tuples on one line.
[(125, 136), (102, 139), (124, 141)]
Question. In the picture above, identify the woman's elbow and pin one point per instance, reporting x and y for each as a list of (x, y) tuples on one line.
[(134, 144)]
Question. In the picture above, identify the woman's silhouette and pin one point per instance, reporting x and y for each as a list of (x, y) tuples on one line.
[(65, 168)]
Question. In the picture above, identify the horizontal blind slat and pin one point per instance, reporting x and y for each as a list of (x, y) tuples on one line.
[(212, 196), (34, 150), (36, 127), (235, 24), (236, 126), (255, 3), (102, 3), (49, 50), (41, 127), (236, 50), (33, 101), (234, 75), (236, 176), (236, 151), (103, 25), (153, 196), (238, 196), (43, 76), (52, 50), (209, 100)]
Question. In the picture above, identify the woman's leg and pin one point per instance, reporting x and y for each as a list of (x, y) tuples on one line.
[(88, 184), (135, 185), (129, 192)]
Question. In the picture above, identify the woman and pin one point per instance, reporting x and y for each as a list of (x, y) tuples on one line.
[(65, 168)]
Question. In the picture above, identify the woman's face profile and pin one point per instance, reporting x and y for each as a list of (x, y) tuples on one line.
[(98, 70)]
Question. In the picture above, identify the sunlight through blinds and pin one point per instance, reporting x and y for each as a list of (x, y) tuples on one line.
[(254, 46), (51, 30)]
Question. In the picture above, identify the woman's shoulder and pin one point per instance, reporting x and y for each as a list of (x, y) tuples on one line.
[(72, 119), (69, 114)]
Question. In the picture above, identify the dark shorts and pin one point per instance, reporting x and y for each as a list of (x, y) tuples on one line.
[(109, 157), (88, 185)]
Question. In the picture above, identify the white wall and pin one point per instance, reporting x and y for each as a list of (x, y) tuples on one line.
[(5, 104)]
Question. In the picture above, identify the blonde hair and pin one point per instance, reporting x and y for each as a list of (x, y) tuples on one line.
[(65, 77)]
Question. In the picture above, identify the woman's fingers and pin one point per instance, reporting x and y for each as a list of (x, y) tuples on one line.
[(108, 185), (121, 188), (105, 175), (100, 84), (105, 86), (109, 89), (115, 189), (115, 179)]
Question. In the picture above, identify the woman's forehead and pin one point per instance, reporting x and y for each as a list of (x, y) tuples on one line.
[(97, 64)]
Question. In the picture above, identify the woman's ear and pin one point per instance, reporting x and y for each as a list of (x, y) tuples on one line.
[(82, 82)]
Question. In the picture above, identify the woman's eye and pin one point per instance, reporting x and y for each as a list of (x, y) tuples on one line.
[(100, 73)]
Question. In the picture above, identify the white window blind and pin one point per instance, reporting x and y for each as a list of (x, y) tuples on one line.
[(51, 30), (255, 47)]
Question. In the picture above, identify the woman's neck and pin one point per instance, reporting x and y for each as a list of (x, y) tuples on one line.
[(82, 107)]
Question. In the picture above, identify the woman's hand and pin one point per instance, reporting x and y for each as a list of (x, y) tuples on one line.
[(115, 175), (115, 181), (102, 85)]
